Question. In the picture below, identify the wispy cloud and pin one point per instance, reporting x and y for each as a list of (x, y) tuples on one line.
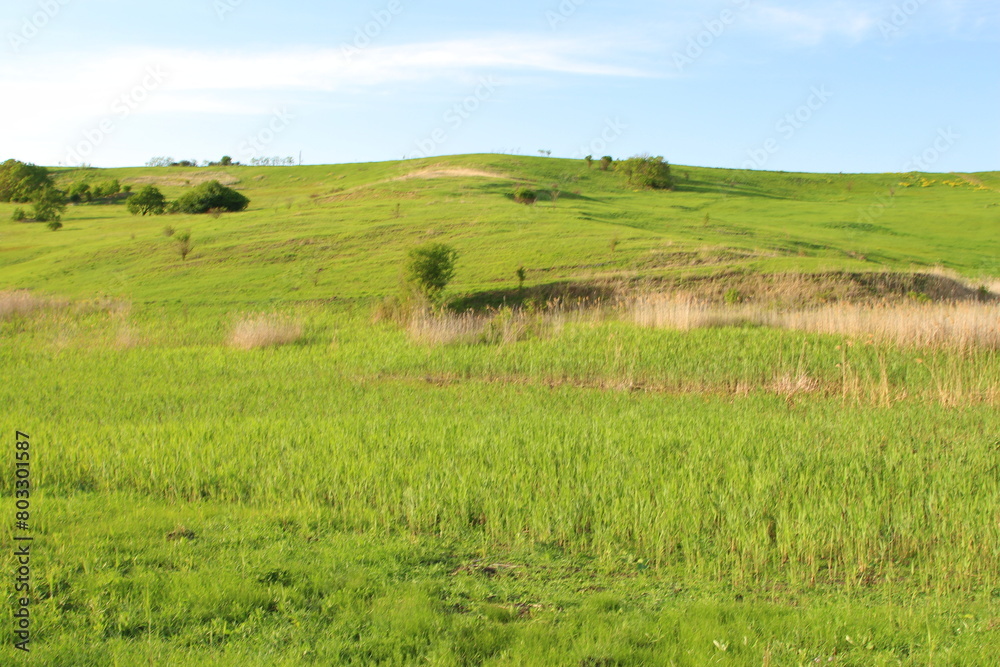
[(330, 69), (812, 25)]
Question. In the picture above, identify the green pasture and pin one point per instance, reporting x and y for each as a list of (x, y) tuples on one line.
[(588, 493)]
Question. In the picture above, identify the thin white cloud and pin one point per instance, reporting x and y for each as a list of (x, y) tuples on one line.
[(810, 26), (328, 69)]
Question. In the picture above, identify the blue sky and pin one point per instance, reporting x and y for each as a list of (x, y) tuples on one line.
[(772, 84)]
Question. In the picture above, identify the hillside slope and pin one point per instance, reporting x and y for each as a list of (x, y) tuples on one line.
[(340, 231)]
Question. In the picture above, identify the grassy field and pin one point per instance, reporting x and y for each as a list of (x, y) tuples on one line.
[(750, 421)]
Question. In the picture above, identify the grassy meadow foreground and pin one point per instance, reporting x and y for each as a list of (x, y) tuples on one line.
[(750, 421)]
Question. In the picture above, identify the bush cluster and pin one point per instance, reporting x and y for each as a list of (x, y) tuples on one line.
[(644, 172), (208, 196)]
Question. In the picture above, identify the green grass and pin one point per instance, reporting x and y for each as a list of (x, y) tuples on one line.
[(594, 493), (341, 219)]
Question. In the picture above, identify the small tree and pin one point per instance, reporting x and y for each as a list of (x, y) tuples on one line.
[(606, 162), (49, 205), (148, 201), (184, 244), (590, 161), (430, 268), (522, 275)]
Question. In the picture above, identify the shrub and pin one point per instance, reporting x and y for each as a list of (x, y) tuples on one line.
[(523, 195), (184, 244), (49, 205), (606, 162), (21, 182), (208, 196), (643, 172), (168, 231), (430, 268), (590, 161), (126, 189), (107, 189), (54, 225), (148, 201), (80, 192), (19, 215)]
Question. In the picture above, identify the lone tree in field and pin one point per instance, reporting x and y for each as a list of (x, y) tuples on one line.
[(606, 162), (148, 201), (430, 268)]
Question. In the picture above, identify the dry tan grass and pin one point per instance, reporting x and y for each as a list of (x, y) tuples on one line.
[(965, 324), (498, 327), (264, 331), (126, 338), (789, 385), (960, 324), (20, 302)]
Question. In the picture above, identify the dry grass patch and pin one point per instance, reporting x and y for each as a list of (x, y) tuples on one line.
[(501, 326), (960, 324), (264, 331), (22, 303), (15, 303)]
